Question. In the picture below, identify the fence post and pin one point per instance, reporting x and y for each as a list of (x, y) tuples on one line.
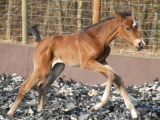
[(24, 22), (96, 11)]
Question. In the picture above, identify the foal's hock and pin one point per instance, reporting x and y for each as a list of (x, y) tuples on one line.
[(88, 49)]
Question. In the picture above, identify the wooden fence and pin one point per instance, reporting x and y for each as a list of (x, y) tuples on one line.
[(18, 58)]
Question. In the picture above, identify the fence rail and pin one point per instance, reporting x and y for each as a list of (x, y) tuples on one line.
[(67, 16)]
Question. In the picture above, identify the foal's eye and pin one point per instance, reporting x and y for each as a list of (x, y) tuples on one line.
[(127, 28)]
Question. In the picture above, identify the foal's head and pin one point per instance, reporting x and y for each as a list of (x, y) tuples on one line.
[(128, 29)]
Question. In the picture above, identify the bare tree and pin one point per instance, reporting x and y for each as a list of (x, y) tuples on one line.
[(60, 14), (155, 23), (8, 26), (46, 17), (79, 14), (145, 17)]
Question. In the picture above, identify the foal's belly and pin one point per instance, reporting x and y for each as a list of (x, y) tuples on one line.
[(68, 58), (70, 63)]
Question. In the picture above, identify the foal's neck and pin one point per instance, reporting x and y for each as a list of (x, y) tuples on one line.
[(105, 32)]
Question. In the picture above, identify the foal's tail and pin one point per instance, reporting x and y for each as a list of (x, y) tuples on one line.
[(34, 31)]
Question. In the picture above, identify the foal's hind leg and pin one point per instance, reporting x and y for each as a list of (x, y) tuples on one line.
[(44, 85), (39, 73), (24, 88)]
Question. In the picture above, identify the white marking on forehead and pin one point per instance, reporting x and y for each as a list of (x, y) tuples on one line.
[(134, 23)]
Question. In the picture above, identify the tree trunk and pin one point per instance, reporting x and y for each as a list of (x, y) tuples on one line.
[(45, 26), (79, 14), (8, 27), (145, 19), (60, 13), (111, 9), (155, 24)]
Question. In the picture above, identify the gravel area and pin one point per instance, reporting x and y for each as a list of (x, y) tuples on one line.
[(68, 100)]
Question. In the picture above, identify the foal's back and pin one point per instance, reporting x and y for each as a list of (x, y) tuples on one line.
[(64, 48)]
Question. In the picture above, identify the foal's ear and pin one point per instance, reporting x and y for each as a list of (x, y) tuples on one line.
[(129, 12), (119, 15)]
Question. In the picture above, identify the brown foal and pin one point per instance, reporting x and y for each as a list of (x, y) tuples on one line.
[(88, 49)]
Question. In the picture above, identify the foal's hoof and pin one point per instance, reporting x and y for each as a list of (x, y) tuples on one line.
[(134, 118), (93, 109), (10, 114), (39, 110), (97, 106)]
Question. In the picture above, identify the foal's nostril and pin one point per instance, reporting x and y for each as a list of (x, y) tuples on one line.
[(141, 45)]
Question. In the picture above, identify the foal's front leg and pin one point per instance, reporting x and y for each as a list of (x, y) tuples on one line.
[(118, 81), (105, 96), (95, 66), (109, 73)]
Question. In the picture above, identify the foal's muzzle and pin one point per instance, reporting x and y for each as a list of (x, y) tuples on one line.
[(141, 46)]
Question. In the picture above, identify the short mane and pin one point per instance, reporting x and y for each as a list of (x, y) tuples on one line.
[(122, 11), (110, 18)]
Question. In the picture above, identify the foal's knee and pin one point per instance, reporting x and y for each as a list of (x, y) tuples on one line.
[(118, 81), (42, 91), (111, 75), (23, 89), (40, 88)]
